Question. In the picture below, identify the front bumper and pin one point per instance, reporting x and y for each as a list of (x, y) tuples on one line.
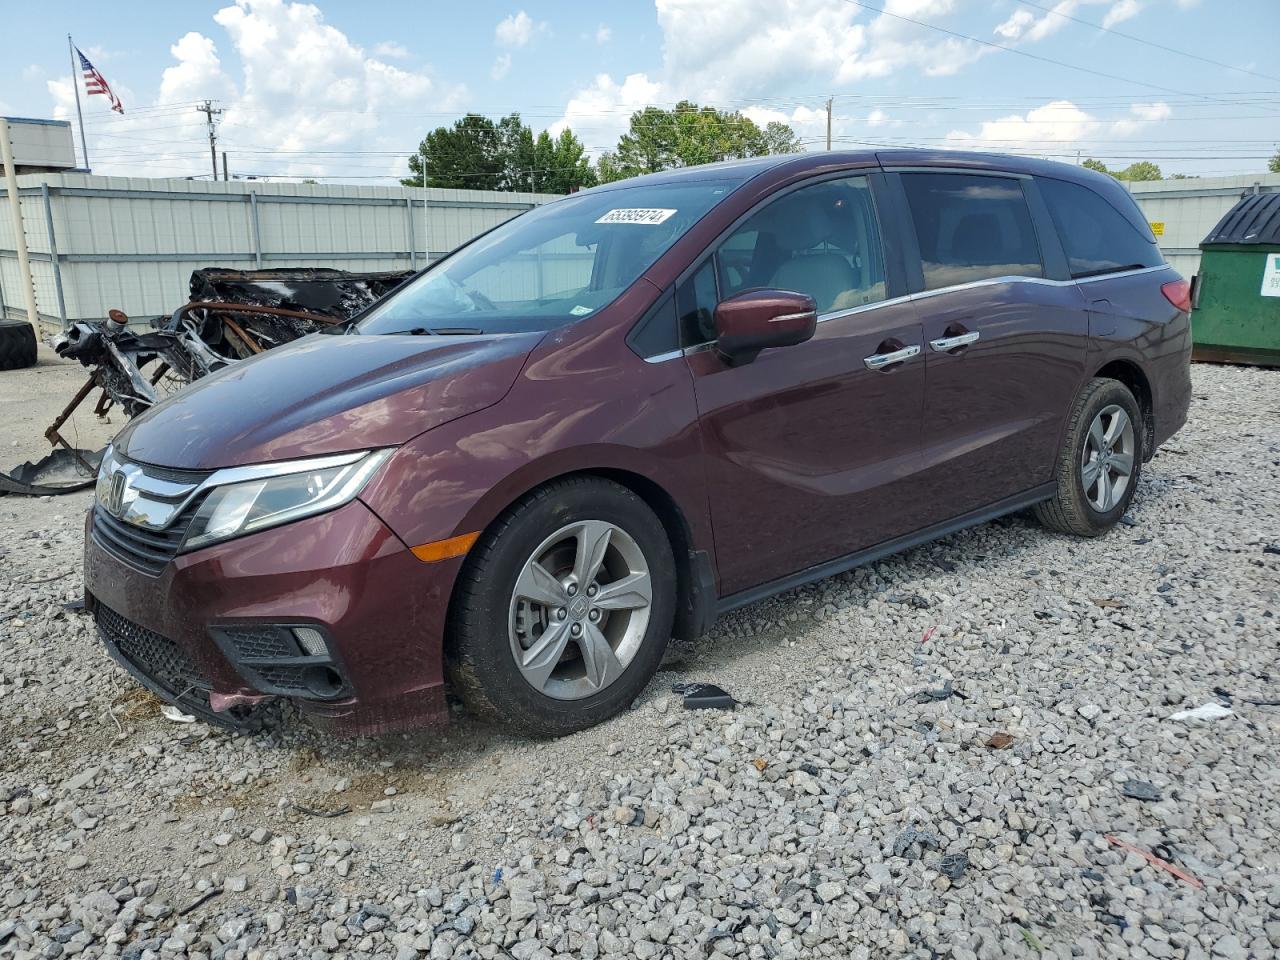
[(345, 573)]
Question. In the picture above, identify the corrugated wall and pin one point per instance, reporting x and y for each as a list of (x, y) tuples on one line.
[(1189, 209), (132, 243)]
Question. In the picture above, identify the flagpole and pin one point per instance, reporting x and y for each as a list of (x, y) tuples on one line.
[(75, 85)]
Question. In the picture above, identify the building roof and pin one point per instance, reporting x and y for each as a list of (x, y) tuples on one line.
[(1255, 219)]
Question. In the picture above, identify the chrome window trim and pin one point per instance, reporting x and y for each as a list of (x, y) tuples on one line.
[(924, 295), (968, 171), (1124, 273)]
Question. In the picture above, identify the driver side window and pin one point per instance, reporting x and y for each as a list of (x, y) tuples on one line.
[(822, 240)]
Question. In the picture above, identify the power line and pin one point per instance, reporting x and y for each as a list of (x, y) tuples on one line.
[(1150, 43), (1022, 53)]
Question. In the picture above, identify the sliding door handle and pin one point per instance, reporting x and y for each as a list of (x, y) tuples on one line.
[(878, 361), (943, 344)]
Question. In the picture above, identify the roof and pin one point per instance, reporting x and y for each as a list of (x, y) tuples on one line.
[(739, 171), (1255, 219), (38, 120)]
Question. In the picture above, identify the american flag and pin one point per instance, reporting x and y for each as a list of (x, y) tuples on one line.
[(94, 82)]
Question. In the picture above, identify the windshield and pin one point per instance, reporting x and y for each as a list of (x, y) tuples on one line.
[(553, 265)]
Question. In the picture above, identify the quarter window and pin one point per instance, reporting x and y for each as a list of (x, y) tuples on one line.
[(1097, 237), (971, 228)]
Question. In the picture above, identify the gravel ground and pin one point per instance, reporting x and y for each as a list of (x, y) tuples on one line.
[(850, 807)]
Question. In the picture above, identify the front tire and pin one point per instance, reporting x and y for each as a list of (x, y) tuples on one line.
[(1100, 462), (563, 609)]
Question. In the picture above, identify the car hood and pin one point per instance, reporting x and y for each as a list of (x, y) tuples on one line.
[(326, 394)]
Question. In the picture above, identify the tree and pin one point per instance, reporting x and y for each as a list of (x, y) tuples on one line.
[(478, 154), (1141, 170), (690, 134), (1274, 163)]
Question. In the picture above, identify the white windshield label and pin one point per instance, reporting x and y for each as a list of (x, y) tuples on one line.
[(643, 215)]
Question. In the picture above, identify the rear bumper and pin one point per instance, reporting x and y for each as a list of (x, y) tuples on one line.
[(345, 573), (1171, 388)]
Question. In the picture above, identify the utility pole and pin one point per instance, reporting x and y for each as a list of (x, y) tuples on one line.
[(210, 111), (224, 166), (829, 123)]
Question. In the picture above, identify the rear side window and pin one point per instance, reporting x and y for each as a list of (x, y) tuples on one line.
[(971, 228), (1097, 237)]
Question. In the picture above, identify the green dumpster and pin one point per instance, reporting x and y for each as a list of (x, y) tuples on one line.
[(1237, 314)]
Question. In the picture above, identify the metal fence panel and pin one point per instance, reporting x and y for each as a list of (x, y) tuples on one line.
[(132, 243)]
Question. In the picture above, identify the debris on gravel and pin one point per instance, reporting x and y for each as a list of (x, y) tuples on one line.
[(832, 813)]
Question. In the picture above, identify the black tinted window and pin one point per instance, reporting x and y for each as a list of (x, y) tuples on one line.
[(696, 301), (971, 228), (1097, 237), (821, 240), (657, 332)]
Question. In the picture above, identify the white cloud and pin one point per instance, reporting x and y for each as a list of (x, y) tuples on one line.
[(287, 101), (303, 86), (1123, 10), (732, 51), (603, 34), (1057, 123), (1142, 115), (1024, 24), (517, 30), (599, 114), (501, 66), (389, 48), (1055, 129)]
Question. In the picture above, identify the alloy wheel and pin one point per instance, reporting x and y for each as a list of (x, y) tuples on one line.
[(1106, 462), (580, 609)]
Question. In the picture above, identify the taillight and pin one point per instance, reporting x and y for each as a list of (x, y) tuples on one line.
[(1178, 292)]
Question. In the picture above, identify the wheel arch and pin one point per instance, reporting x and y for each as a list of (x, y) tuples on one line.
[(1132, 376), (696, 593)]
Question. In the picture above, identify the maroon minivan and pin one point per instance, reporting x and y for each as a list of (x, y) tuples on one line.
[(603, 423)]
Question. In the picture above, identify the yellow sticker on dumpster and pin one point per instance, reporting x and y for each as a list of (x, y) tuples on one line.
[(1157, 227)]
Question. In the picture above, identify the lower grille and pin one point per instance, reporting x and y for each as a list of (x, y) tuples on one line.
[(156, 660)]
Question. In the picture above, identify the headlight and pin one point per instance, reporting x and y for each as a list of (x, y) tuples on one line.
[(245, 499)]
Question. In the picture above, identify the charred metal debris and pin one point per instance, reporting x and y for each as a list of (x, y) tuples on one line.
[(232, 315)]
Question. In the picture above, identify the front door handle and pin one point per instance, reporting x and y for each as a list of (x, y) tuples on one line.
[(943, 344), (878, 361)]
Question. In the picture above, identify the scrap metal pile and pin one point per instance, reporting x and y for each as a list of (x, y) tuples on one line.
[(232, 315)]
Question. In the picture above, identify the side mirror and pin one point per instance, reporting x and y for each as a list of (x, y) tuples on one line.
[(759, 319)]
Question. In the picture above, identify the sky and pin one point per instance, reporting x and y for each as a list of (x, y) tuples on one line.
[(344, 91)]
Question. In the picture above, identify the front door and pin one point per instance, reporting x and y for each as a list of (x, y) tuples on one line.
[(811, 449)]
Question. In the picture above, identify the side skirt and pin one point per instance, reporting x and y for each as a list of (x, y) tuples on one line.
[(830, 568)]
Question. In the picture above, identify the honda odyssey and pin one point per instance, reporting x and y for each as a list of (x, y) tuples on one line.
[(606, 421)]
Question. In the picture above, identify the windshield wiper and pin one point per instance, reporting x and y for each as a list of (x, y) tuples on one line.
[(438, 332)]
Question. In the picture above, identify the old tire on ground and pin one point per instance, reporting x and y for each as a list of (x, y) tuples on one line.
[(1100, 462), (563, 609), (17, 344)]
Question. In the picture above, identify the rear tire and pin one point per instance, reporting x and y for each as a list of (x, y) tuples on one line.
[(528, 645), (17, 345), (1100, 462)]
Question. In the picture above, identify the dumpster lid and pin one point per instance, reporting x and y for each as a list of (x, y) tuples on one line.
[(1255, 219)]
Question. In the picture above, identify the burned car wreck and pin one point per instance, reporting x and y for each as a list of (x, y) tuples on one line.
[(231, 316)]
